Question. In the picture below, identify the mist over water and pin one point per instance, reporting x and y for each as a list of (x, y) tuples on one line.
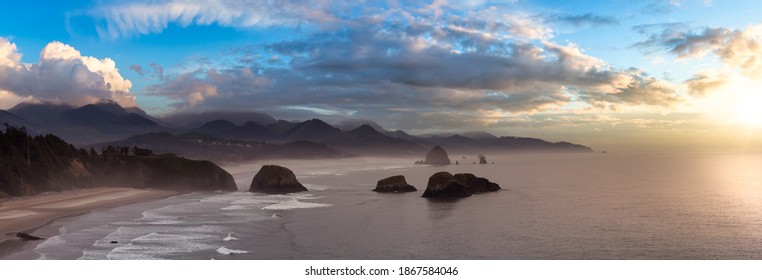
[(552, 206)]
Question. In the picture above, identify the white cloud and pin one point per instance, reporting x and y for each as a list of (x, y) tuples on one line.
[(61, 75), (125, 19), (740, 48)]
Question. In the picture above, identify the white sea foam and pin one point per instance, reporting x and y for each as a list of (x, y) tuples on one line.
[(229, 238), (225, 251), (55, 241), (154, 245), (294, 204)]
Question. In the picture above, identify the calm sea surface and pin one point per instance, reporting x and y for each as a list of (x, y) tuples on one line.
[(557, 206)]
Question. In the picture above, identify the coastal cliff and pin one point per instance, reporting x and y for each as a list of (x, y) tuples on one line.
[(32, 165)]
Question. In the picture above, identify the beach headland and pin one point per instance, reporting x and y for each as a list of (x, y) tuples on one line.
[(28, 213)]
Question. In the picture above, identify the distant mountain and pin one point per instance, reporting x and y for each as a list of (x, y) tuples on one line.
[(190, 120), (280, 127), (401, 135), (456, 142), (228, 130), (110, 107), (347, 125), (478, 135), (534, 144), (107, 122), (102, 121), (366, 140), (311, 130), (12, 119), (140, 112), (369, 140), (202, 146), (40, 113)]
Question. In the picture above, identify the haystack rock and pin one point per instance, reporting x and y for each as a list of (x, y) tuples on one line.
[(443, 184), (437, 155), (273, 179), (482, 159), (394, 184), (476, 184)]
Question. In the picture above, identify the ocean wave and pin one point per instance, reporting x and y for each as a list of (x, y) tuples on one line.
[(154, 245), (229, 238), (225, 251), (294, 204)]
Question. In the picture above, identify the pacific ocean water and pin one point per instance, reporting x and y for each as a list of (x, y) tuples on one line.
[(552, 206)]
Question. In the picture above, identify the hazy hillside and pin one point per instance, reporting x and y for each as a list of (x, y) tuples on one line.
[(32, 165), (201, 146), (243, 136)]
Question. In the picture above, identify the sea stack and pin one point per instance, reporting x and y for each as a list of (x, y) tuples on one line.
[(476, 184), (273, 179), (444, 185), (437, 155), (394, 184), (482, 159)]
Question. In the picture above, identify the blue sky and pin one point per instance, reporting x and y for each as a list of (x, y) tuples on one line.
[(567, 70)]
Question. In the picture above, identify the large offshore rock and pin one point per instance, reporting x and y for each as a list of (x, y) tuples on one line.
[(273, 179), (394, 184), (437, 155), (476, 184), (443, 184)]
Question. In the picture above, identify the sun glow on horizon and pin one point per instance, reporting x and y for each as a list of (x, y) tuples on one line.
[(739, 103)]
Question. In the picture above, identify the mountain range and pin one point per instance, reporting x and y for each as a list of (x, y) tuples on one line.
[(239, 136)]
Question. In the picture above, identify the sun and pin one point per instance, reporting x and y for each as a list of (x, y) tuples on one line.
[(738, 103), (748, 109)]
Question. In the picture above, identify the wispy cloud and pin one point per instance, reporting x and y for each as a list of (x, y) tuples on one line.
[(741, 48), (588, 19), (126, 19), (661, 6)]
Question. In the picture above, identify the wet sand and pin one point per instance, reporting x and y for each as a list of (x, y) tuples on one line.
[(27, 214)]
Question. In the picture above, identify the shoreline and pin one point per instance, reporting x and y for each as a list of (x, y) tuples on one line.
[(30, 213)]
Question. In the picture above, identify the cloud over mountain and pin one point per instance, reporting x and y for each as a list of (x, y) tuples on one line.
[(423, 59), (62, 74)]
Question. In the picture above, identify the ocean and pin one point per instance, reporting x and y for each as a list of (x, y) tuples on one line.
[(552, 206)]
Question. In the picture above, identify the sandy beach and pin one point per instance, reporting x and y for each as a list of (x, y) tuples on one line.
[(26, 214)]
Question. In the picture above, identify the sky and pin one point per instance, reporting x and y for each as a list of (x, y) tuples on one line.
[(614, 75)]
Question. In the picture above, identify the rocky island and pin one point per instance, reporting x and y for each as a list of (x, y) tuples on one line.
[(394, 184), (437, 155), (444, 184), (475, 184), (274, 179)]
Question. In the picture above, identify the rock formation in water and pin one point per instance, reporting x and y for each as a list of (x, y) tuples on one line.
[(482, 159), (28, 237), (476, 184), (436, 155), (273, 179), (443, 184), (394, 184)]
